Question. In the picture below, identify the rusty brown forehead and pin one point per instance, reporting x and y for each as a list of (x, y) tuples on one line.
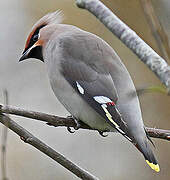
[(34, 31), (29, 38)]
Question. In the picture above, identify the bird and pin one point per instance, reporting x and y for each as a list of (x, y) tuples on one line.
[(89, 79)]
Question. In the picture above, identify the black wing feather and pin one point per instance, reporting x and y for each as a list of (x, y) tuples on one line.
[(88, 96), (93, 76)]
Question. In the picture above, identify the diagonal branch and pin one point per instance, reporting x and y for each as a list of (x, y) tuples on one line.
[(69, 122), (32, 140), (4, 141), (156, 28), (145, 53)]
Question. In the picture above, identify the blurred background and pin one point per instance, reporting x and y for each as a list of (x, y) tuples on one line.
[(27, 83)]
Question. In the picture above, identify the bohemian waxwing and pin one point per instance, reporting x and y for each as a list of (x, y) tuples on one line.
[(89, 79)]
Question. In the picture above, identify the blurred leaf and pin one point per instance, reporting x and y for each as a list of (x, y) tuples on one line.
[(152, 89)]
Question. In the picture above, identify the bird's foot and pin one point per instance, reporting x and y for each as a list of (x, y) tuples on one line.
[(76, 122), (102, 133), (69, 129)]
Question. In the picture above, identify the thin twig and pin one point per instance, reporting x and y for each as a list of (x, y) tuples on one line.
[(147, 55), (50, 119), (158, 133), (151, 89), (69, 122), (156, 28), (32, 140), (4, 142)]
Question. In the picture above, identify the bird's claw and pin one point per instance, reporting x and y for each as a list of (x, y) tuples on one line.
[(70, 130), (76, 122), (102, 133)]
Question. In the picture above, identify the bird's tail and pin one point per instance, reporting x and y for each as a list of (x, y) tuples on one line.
[(144, 147)]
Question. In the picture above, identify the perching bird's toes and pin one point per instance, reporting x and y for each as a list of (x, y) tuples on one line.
[(70, 130), (76, 122), (102, 133)]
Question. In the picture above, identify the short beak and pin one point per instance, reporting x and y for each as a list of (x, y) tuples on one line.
[(33, 52), (24, 55)]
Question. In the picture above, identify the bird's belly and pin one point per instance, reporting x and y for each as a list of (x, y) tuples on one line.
[(77, 106)]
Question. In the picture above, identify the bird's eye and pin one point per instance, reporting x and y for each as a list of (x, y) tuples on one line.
[(35, 37)]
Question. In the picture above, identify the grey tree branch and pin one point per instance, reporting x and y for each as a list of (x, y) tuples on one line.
[(157, 64), (4, 142), (156, 28), (32, 140), (69, 122)]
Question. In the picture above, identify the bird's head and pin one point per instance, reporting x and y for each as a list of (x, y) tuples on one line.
[(39, 35)]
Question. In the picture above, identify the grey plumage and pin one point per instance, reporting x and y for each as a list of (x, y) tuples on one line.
[(90, 80)]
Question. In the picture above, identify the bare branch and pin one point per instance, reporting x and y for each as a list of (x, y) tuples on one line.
[(147, 55), (69, 122), (32, 140), (4, 142), (158, 133), (156, 28), (50, 119)]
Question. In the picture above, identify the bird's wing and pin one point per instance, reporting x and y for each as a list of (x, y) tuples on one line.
[(95, 85)]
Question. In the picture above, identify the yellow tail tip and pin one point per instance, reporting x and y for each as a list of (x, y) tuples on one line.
[(153, 166)]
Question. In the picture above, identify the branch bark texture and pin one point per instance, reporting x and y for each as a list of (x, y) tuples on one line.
[(69, 122), (32, 140), (156, 64)]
